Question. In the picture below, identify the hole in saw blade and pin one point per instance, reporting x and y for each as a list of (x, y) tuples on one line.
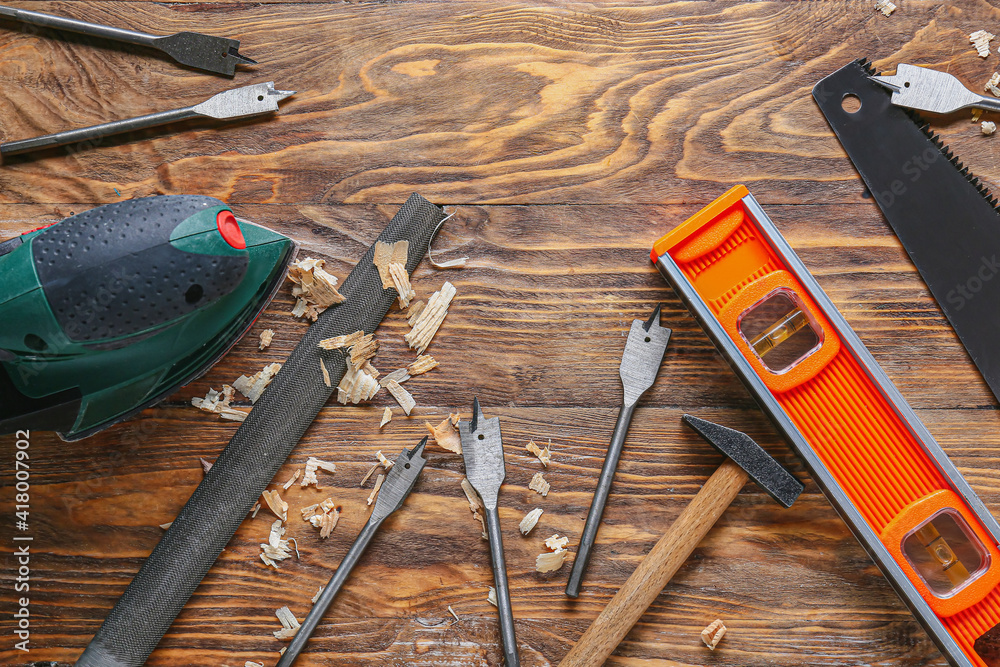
[(851, 103)]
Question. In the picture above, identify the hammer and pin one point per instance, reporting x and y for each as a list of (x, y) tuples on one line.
[(745, 459)]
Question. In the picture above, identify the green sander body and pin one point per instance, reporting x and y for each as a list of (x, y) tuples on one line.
[(115, 308)]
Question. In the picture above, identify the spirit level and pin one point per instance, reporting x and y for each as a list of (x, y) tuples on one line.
[(901, 496)]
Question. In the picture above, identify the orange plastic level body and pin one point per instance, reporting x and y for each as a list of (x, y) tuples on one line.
[(909, 506)]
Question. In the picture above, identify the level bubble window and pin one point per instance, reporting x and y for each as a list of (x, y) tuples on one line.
[(945, 553), (780, 331)]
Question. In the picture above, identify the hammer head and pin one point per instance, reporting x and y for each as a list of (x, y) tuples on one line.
[(758, 464)]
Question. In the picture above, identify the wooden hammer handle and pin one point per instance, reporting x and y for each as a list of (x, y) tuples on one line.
[(657, 568)]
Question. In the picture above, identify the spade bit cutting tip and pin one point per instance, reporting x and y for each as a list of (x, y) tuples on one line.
[(482, 449), (219, 55), (932, 91), (641, 361), (398, 483), (244, 102)]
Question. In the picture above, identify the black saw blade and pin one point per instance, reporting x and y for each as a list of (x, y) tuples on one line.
[(945, 218)]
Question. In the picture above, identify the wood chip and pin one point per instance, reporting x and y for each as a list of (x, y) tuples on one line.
[(452, 612), (885, 6), (371, 471), (446, 435), (430, 318), (315, 598), (323, 507), (981, 41), (399, 375), (976, 115), (313, 465), (326, 373), (550, 561), (491, 597), (276, 548), (713, 634), (413, 312), (544, 455), (205, 466), (356, 386), (274, 503), (291, 480), (252, 386), (315, 290), (389, 253), (363, 350), (424, 363), (529, 520), (378, 485), (401, 281), (338, 342), (993, 83), (386, 417), (218, 402), (555, 543), (386, 463), (256, 508), (266, 336), (289, 624), (988, 127), (403, 397), (539, 484), (166, 525), (325, 521), (251, 663), (475, 504)]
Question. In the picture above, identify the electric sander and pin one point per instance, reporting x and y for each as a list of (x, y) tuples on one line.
[(112, 310)]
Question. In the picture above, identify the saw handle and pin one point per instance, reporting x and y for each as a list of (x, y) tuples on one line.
[(657, 568)]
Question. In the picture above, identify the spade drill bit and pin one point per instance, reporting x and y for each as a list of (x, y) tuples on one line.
[(644, 352), (933, 91), (213, 54), (254, 100), (482, 449), (398, 483)]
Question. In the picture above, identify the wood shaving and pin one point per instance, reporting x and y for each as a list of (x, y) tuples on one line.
[(371, 471), (976, 115), (205, 466), (274, 503), (313, 465), (338, 342), (325, 521), (389, 253), (713, 634), (446, 436), (430, 318), (266, 336), (318, 508), (218, 403), (401, 281), (491, 597), (315, 598), (403, 397), (356, 386), (981, 41), (251, 663), (315, 290), (276, 548), (475, 504), (885, 6), (452, 612), (326, 373), (544, 455), (555, 543), (386, 417), (529, 520), (413, 312), (256, 508), (550, 561), (424, 363), (166, 525), (253, 386), (363, 350), (400, 375), (386, 463), (291, 480), (289, 624), (378, 485), (539, 484), (450, 264), (991, 85), (988, 127)]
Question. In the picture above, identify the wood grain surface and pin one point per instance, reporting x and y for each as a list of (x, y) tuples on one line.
[(565, 137)]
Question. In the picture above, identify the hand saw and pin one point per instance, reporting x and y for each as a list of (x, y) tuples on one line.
[(944, 216), (881, 469)]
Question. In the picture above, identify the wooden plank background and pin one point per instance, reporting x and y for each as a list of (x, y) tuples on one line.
[(565, 137)]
